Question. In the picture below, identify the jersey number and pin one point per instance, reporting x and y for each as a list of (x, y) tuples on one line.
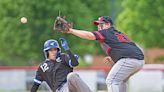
[(121, 37), (44, 67)]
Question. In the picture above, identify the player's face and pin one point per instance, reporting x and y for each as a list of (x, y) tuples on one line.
[(102, 26), (52, 53)]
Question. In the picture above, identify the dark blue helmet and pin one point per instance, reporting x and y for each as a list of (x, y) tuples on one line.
[(49, 44)]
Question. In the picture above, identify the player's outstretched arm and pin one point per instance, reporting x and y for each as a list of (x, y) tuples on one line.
[(61, 25), (82, 34)]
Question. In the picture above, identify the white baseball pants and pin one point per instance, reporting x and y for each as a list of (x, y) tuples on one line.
[(74, 84), (119, 74)]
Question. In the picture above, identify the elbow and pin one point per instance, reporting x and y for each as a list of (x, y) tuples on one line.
[(91, 36), (76, 60), (75, 64)]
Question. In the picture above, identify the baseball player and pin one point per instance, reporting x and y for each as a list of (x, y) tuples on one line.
[(57, 69), (128, 58)]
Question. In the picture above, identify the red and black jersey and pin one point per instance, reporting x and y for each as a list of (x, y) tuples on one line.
[(117, 45), (54, 73)]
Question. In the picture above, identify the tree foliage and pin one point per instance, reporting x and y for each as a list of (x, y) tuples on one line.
[(143, 21), (22, 44)]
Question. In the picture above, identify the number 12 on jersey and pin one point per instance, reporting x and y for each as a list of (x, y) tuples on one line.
[(44, 67)]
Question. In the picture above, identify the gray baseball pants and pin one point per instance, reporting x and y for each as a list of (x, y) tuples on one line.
[(119, 74), (74, 84)]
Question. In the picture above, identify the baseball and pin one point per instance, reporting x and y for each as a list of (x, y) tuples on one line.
[(23, 20)]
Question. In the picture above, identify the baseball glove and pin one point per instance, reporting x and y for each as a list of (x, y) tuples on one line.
[(61, 25)]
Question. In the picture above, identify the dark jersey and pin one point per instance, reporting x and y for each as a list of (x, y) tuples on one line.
[(117, 45), (55, 72)]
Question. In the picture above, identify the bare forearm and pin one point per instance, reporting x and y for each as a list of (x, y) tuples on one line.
[(83, 34)]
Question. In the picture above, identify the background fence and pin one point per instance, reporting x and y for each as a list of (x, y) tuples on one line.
[(20, 79)]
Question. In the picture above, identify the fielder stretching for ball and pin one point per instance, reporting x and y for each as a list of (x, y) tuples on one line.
[(128, 58), (57, 69)]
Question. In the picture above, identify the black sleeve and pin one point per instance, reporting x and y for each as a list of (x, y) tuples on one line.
[(39, 74), (99, 36), (71, 59), (34, 88), (37, 81), (106, 48)]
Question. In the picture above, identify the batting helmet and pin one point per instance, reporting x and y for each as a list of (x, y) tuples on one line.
[(49, 44)]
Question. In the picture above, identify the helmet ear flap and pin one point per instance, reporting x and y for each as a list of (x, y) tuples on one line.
[(46, 54)]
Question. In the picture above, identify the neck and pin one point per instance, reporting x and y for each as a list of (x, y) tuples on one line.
[(51, 59)]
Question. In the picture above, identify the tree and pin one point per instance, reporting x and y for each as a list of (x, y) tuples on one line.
[(143, 21), (22, 43)]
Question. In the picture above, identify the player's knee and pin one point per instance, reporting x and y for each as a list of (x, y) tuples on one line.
[(72, 76), (110, 81)]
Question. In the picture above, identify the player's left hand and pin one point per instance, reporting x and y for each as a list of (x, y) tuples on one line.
[(61, 25), (64, 43)]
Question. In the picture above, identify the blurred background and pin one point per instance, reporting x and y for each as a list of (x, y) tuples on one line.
[(21, 41)]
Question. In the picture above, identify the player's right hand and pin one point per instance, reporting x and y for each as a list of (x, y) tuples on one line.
[(108, 60)]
